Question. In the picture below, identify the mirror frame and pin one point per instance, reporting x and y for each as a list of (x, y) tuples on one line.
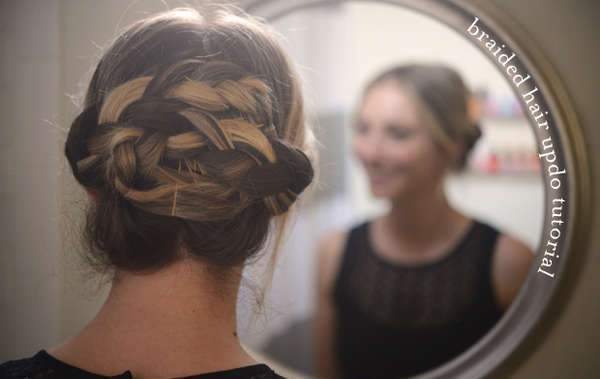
[(522, 329)]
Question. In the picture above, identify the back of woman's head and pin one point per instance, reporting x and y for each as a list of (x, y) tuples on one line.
[(442, 99), (191, 140)]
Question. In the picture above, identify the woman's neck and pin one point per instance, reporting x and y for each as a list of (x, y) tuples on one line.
[(423, 219), (178, 321)]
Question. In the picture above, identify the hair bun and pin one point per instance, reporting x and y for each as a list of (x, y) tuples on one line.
[(290, 175), (473, 136), (180, 113), (76, 147)]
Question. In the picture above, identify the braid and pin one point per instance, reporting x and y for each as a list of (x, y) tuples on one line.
[(177, 144)]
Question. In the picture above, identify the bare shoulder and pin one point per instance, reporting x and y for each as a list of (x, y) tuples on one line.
[(512, 253), (511, 262), (329, 250)]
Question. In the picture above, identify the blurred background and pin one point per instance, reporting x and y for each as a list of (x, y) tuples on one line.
[(49, 49)]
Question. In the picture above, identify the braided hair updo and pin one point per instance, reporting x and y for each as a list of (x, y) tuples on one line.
[(192, 135)]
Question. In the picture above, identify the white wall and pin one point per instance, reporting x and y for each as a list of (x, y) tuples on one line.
[(29, 164)]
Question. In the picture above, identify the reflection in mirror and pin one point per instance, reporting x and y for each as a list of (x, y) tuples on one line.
[(430, 204)]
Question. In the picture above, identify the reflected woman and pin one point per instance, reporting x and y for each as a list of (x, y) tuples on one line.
[(412, 289)]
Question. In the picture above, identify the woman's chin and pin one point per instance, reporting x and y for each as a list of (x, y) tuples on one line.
[(386, 192), (379, 192)]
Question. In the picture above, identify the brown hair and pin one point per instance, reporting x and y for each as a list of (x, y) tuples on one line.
[(192, 138), (442, 99)]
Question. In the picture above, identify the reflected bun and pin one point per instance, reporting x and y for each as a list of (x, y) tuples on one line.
[(470, 140)]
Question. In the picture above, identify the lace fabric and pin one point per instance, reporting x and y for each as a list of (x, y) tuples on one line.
[(411, 318)]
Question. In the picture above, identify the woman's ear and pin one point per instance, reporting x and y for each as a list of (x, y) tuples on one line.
[(474, 109)]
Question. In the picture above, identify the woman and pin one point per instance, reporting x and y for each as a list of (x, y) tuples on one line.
[(191, 141), (412, 289)]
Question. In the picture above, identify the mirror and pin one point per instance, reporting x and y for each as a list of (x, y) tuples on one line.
[(339, 48)]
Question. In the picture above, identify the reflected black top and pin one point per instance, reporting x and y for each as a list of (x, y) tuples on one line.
[(43, 365), (395, 320)]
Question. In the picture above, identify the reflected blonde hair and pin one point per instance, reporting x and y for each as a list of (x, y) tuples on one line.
[(441, 98)]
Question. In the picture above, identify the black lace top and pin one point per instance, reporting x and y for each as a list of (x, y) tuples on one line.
[(43, 365), (395, 321)]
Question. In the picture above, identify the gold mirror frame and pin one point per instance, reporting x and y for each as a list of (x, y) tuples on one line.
[(518, 334)]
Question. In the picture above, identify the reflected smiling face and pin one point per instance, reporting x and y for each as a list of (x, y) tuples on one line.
[(394, 146)]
